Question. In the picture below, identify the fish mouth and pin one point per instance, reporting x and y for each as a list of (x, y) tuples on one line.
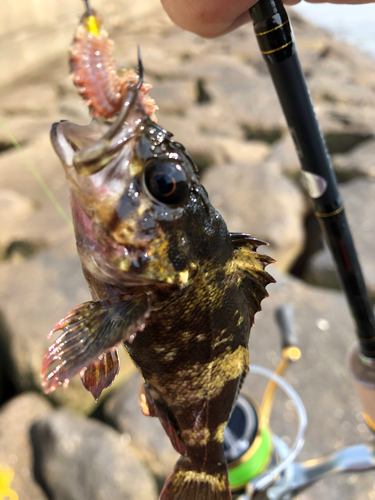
[(85, 150), (96, 160), (120, 239)]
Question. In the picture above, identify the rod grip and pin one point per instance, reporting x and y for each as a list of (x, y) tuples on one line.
[(285, 320)]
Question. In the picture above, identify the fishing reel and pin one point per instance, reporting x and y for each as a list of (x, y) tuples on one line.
[(260, 464)]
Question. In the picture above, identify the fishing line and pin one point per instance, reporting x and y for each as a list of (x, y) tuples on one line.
[(37, 175)]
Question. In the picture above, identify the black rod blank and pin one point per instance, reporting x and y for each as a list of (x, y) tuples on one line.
[(275, 38)]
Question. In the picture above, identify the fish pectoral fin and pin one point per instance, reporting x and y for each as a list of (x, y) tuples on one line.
[(90, 330), (101, 373)]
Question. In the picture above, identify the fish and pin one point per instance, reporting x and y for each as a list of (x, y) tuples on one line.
[(168, 280)]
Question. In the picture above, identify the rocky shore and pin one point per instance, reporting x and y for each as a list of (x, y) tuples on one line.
[(218, 100)]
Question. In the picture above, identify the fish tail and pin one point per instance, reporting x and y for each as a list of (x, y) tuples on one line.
[(186, 483)]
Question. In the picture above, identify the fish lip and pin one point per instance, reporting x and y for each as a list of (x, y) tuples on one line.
[(86, 149)]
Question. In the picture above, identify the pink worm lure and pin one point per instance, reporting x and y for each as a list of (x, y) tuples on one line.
[(95, 75)]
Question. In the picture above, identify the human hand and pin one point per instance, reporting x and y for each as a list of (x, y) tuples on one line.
[(212, 18)]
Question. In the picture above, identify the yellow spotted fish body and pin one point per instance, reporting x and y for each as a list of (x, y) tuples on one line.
[(167, 279)]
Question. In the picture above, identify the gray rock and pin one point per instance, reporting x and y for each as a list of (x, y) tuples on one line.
[(23, 128), (321, 270), (78, 459), (359, 202), (345, 129), (258, 199), (237, 92), (321, 378), (202, 148), (344, 125), (359, 162), (283, 152), (172, 98), (15, 209), (41, 225), (34, 295), (33, 99), (245, 152), (146, 433), (16, 419)]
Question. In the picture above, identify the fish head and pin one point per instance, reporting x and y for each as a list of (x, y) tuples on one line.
[(140, 213)]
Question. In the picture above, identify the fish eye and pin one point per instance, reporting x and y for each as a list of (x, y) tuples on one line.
[(166, 181)]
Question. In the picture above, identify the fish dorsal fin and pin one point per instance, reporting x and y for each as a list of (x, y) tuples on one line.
[(243, 239), (251, 268)]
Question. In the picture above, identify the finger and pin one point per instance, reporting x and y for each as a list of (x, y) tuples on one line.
[(350, 2), (208, 18)]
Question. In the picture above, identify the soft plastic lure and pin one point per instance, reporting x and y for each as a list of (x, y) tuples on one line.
[(94, 72)]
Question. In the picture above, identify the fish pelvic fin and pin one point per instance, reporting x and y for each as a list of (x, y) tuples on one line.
[(101, 373), (89, 332), (186, 483)]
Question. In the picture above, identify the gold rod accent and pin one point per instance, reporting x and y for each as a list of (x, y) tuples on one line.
[(279, 48), (330, 214), (273, 29)]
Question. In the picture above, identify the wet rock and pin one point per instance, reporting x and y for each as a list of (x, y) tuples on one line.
[(147, 434), (359, 200), (258, 199), (79, 459), (16, 419)]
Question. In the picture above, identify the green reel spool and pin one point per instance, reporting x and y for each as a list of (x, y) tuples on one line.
[(247, 447)]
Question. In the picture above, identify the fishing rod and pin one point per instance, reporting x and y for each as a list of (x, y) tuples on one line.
[(275, 39)]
